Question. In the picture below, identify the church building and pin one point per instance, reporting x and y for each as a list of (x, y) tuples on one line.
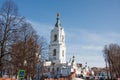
[(57, 66)]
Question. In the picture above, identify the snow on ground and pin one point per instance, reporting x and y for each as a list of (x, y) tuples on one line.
[(78, 79)]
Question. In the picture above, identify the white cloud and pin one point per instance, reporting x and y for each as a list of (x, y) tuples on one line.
[(88, 46), (42, 29), (91, 47)]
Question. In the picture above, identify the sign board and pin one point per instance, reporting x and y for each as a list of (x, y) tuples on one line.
[(21, 73)]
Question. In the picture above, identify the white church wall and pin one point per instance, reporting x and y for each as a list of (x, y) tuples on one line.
[(57, 43)]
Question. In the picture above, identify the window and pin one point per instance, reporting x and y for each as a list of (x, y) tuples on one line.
[(58, 69), (53, 69), (63, 53), (62, 38), (54, 52), (48, 69), (55, 37)]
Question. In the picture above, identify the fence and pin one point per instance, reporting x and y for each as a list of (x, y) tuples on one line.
[(7, 79)]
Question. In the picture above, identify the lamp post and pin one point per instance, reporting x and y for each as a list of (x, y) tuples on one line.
[(38, 72), (37, 67), (25, 65)]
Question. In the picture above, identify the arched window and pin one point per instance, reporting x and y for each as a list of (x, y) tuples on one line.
[(54, 52), (55, 37), (62, 38), (63, 53)]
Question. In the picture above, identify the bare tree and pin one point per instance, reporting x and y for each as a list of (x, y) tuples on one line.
[(112, 58), (9, 22), (21, 52), (18, 42), (27, 45)]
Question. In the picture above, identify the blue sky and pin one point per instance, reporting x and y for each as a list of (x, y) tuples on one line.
[(88, 24)]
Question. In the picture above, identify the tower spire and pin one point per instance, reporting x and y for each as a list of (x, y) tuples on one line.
[(58, 20)]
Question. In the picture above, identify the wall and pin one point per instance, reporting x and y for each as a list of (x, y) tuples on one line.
[(7, 79), (70, 77)]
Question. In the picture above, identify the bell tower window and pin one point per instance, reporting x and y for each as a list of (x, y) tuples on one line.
[(62, 38), (63, 53), (54, 52), (55, 37)]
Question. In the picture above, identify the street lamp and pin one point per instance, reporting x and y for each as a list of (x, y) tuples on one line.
[(38, 71), (38, 66), (25, 63)]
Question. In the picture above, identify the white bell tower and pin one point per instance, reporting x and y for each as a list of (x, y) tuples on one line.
[(57, 49)]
